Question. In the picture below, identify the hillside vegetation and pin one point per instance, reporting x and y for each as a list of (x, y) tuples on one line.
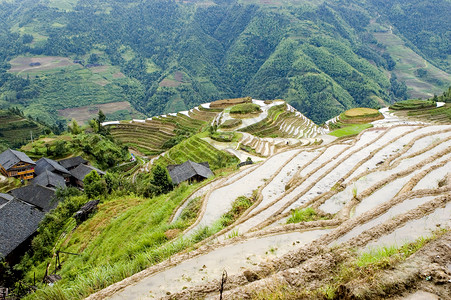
[(16, 129), (166, 56)]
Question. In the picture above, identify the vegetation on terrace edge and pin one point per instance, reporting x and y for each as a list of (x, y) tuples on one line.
[(305, 215), (413, 104), (426, 110), (351, 266)]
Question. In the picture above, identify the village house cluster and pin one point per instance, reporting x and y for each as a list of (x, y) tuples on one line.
[(23, 208)]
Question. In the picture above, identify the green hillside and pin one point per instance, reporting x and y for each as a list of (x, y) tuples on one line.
[(16, 130), (322, 57)]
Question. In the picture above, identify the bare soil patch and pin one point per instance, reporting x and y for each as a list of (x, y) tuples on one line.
[(44, 63), (169, 83), (229, 102), (85, 113), (178, 76), (99, 69), (118, 75), (102, 82), (361, 112)]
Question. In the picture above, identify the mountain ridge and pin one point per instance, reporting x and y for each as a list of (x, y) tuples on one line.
[(322, 58)]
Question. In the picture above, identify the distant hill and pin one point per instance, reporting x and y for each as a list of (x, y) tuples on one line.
[(155, 57)]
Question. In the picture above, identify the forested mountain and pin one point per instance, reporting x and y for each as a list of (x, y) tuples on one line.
[(322, 57)]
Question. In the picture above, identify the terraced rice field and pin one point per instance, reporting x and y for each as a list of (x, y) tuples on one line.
[(196, 149), (149, 136), (389, 185), (278, 127)]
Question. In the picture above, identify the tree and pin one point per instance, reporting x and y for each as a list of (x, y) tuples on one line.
[(101, 117), (160, 179), (60, 148), (93, 185), (74, 128)]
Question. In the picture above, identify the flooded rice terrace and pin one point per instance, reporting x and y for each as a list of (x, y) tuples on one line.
[(389, 185)]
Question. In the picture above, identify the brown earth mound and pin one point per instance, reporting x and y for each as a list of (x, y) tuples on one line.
[(229, 102)]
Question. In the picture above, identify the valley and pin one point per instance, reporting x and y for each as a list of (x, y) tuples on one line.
[(162, 57)]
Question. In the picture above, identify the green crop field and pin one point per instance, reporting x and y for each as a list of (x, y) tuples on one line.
[(412, 104), (350, 130)]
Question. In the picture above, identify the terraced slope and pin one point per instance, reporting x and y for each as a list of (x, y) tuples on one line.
[(278, 126), (16, 130), (440, 115), (284, 121), (153, 136), (197, 150), (388, 186)]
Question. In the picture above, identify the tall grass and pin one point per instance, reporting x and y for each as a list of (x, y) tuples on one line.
[(305, 215), (126, 236)]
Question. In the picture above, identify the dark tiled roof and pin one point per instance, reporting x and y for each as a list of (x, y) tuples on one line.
[(42, 197), (82, 170), (9, 158), (46, 164), (72, 162), (4, 198), (187, 170), (49, 179), (18, 222)]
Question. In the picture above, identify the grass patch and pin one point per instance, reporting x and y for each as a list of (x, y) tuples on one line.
[(350, 130), (305, 215), (125, 236), (226, 137), (245, 108), (367, 264), (239, 206), (189, 213), (439, 114)]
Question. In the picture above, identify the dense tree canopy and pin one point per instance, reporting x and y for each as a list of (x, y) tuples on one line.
[(322, 58)]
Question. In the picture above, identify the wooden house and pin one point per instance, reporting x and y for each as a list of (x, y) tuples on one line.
[(190, 171), (16, 164)]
